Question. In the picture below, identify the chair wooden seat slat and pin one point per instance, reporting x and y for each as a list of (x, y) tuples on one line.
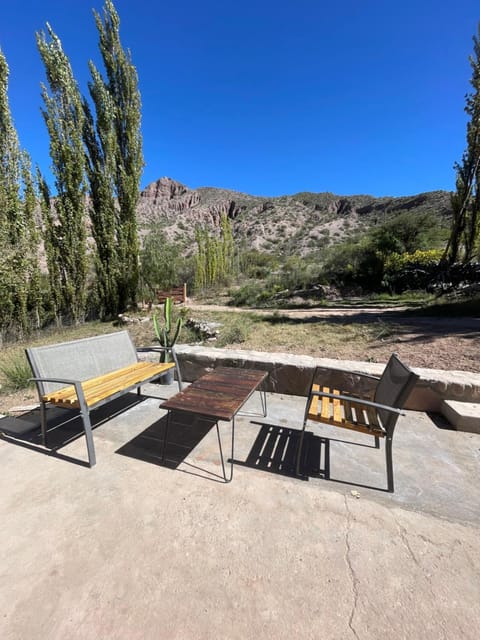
[(337, 408)]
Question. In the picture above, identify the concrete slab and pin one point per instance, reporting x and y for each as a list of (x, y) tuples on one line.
[(464, 416), (137, 549)]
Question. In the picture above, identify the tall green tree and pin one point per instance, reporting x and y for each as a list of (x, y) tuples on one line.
[(19, 270), (463, 241), (100, 143), (115, 164), (64, 215), (214, 260), (159, 263)]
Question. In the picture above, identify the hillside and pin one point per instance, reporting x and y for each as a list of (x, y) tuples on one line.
[(299, 223)]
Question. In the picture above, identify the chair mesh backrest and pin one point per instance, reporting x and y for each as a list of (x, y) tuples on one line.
[(394, 387), (81, 359)]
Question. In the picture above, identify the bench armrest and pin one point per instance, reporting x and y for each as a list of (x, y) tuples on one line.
[(59, 380), (367, 403), (76, 383)]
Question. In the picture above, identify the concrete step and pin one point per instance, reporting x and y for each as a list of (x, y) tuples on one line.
[(464, 416)]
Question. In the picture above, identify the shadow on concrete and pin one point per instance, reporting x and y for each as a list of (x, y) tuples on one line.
[(275, 449), (439, 421), (63, 426), (186, 431)]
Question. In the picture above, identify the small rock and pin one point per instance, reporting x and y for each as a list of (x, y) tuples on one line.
[(355, 494)]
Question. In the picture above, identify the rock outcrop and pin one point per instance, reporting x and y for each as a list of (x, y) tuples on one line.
[(299, 223)]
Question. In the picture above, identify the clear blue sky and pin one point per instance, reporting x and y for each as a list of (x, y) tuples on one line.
[(273, 97)]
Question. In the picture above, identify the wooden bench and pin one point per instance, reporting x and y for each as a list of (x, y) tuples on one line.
[(178, 295), (86, 374)]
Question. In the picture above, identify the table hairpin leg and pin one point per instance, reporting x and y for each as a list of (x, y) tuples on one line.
[(167, 426), (165, 439), (263, 398), (221, 451)]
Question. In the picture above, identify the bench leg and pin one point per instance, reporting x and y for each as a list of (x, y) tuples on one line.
[(87, 427), (179, 375)]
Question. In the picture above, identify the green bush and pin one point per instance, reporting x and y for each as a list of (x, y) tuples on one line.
[(256, 264), (236, 333), (403, 271), (246, 295), (16, 373)]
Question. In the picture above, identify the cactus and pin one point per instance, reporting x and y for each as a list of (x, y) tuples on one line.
[(163, 334)]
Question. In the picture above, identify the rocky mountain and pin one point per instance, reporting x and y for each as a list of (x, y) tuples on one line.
[(299, 223)]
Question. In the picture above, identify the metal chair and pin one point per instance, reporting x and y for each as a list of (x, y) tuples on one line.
[(376, 417)]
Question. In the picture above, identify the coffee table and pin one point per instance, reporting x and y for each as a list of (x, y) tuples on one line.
[(218, 395)]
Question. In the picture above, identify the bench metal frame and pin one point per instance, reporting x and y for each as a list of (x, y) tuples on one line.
[(84, 408)]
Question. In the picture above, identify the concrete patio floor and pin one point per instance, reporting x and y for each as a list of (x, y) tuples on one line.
[(137, 549)]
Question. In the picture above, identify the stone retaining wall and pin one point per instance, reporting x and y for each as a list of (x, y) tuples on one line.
[(292, 374)]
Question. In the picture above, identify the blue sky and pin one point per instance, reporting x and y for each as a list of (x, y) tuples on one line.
[(271, 98)]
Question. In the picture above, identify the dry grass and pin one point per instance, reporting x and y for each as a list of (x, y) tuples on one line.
[(310, 336)]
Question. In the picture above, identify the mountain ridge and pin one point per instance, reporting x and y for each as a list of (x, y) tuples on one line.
[(299, 223)]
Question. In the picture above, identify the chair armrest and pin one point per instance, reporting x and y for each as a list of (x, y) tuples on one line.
[(367, 403)]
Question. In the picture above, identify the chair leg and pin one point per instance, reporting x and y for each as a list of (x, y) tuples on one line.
[(389, 461), (299, 451)]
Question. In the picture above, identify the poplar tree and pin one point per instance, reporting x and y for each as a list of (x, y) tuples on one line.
[(100, 143), (214, 260), (115, 165), (19, 271), (64, 215), (466, 199)]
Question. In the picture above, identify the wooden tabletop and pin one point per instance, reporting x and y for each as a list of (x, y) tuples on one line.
[(219, 394)]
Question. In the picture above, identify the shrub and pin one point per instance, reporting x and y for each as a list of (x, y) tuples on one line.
[(236, 333), (411, 270), (16, 373)]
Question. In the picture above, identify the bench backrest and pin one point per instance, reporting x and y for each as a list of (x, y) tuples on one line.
[(81, 359)]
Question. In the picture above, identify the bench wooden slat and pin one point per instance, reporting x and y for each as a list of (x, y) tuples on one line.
[(67, 393), (101, 387), (114, 386)]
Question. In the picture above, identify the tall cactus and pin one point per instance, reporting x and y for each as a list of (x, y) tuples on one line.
[(163, 333)]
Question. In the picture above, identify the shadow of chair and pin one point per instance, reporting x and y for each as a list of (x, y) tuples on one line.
[(376, 417)]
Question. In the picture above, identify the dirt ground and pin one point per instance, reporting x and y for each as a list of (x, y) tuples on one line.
[(430, 342)]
